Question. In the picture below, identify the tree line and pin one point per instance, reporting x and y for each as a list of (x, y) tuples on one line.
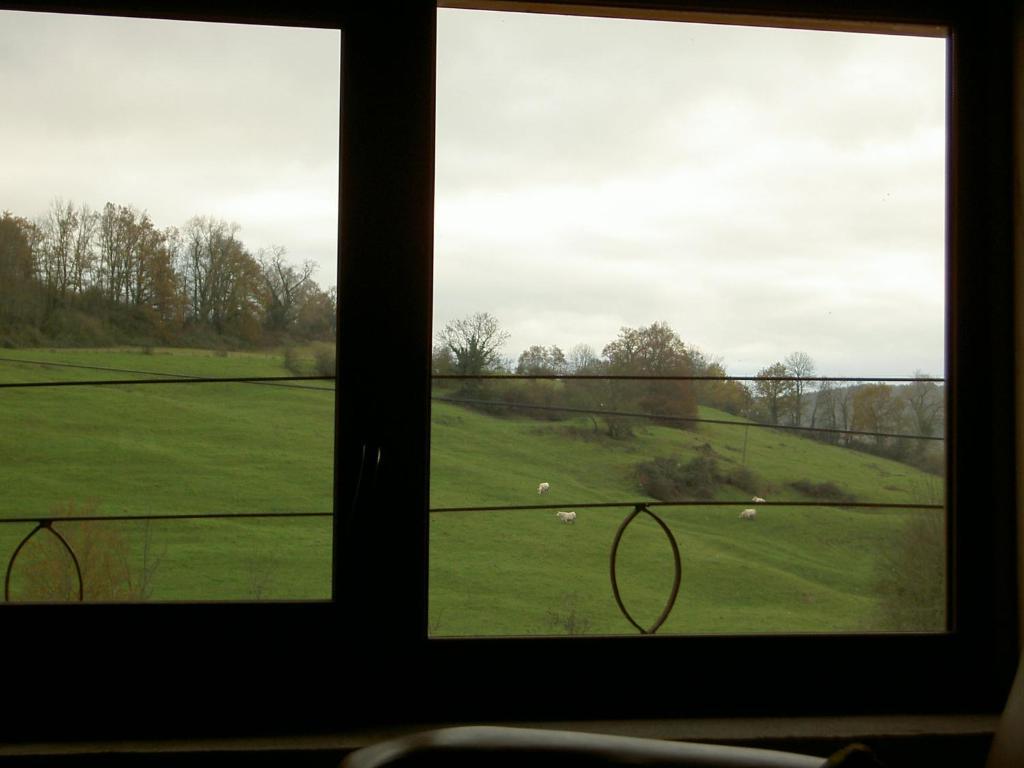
[(779, 395), (76, 273)]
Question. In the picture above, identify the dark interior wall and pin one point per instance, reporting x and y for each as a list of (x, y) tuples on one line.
[(1018, 229), (922, 749)]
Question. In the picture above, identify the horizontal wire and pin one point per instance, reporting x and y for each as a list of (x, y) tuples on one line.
[(127, 518), (504, 377), (686, 419), (691, 503), (45, 363), (266, 380), (502, 508), (54, 364), (645, 377)]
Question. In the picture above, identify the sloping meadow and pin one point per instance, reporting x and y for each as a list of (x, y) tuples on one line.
[(234, 449), (791, 569), (155, 450)]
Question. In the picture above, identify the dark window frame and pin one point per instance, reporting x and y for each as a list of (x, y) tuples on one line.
[(246, 669)]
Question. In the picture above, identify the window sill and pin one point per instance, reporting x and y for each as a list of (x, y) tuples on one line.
[(905, 740)]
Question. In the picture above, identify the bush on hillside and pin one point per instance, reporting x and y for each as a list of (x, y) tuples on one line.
[(910, 577), (827, 491), (747, 480), (292, 361), (111, 568), (933, 462), (667, 479), (619, 427), (570, 620), (15, 336), (531, 398), (324, 362), (71, 328)]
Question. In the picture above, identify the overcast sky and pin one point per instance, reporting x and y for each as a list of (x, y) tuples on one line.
[(178, 119), (763, 191)]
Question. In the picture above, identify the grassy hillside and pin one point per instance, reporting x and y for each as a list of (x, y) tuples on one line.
[(178, 449), (802, 569), (237, 448)]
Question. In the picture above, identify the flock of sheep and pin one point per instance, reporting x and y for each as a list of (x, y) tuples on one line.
[(563, 517), (750, 514), (570, 517)]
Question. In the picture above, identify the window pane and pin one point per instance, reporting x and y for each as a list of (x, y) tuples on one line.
[(170, 214), (697, 273)]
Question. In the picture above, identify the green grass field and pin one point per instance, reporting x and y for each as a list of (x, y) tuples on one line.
[(799, 569), (236, 448), (178, 449)]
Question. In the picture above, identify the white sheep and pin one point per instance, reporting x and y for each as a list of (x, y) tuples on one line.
[(748, 514), (566, 517), (757, 500), (543, 488)]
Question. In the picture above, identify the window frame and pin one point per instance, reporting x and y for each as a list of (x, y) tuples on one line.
[(248, 669)]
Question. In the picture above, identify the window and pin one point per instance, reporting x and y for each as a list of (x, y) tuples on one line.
[(172, 215), (265, 668), (628, 210)]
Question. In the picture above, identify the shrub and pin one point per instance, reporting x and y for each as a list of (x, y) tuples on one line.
[(292, 362), (827, 491), (71, 328), (570, 620), (666, 479), (111, 568), (933, 462), (910, 577), (619, 427), (746, 480), (324, 362), (543, 393), (672, 399)]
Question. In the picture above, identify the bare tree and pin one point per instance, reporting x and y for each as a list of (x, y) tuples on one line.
[(800, 365), (773, 392), (284, 287), (111, 236), (823, 413), (203, 241), (583, 359), (317, 316), (475, 341), (924, 401), (17, 294), (58, 229), (654, 350), (83, 254), (538, 360), (131, 250), (843, 399), (221, 278), (877, 409)]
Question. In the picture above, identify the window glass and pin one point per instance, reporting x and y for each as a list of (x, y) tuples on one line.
[(689, 316), (169, 213)]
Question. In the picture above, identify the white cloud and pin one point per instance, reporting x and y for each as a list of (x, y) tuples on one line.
[(761, 190), (177, 118)]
